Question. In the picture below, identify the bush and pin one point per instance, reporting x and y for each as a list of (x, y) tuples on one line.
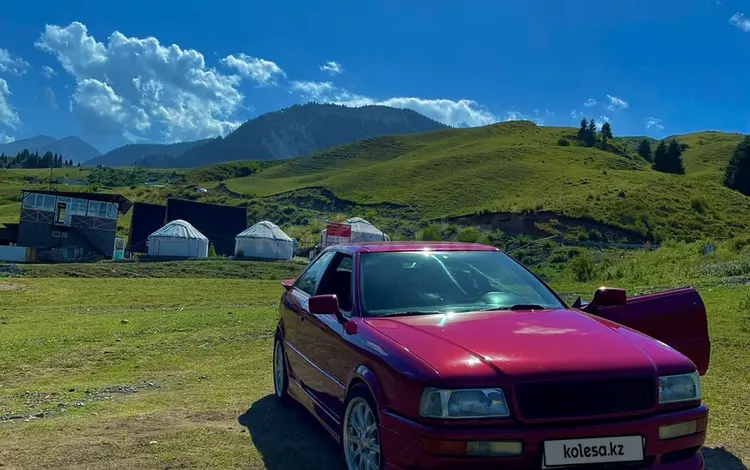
[(583, 267), (563, 142), (432, 233), (472, 235), (699, 205), (740, 242), (211, 250)]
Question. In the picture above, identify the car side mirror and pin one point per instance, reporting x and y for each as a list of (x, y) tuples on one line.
[(288, 284), (326, 305), (607, 297)]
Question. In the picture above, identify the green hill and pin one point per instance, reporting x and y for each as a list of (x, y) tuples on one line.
[(515, 177), (520, 168)]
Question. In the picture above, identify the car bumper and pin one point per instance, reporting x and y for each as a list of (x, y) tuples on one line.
[(401, 440)]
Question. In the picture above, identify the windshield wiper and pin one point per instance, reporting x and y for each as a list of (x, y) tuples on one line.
[(516, 307), (412, 313)]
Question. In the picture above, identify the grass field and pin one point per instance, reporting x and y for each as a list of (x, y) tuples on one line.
[(155, 372)]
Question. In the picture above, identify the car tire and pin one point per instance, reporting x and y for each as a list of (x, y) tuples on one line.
[(360, 430), (280, 372)]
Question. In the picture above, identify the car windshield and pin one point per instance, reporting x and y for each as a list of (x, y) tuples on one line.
[(413, 283)]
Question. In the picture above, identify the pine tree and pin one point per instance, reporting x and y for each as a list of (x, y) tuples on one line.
[(737, 174), (590, 137), (668, 159), (674, 154), (661, 162), (606, 134), (644, 150), (583, 130)]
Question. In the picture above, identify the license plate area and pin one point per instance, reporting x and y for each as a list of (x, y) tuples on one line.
[(593, 451)]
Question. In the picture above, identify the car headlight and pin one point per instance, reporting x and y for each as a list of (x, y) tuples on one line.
[(678, 388), (463, 403)]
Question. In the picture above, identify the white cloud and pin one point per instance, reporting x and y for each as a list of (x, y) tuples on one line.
[(5, 139), (590, 102), (11, 64), (316, 90), (616, 104), (8, 116), (262, 71), (48, 71), (461, 113), (138, 87), (740, 21), (332, 67), (653, 123)]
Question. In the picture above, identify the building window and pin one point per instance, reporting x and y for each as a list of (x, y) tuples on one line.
[(105, 210), (93, 209), (78, 207), (40, 202), (29, 201)]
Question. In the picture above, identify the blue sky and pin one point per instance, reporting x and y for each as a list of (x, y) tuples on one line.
[(108, 73)]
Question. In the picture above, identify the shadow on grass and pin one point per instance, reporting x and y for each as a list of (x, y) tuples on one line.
[(718, 458), (289, 438)]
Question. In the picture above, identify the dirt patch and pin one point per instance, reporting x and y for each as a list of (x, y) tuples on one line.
[(10, 287), (48, 404)]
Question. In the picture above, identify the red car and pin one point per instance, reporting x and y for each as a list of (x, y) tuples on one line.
[(452, 355)]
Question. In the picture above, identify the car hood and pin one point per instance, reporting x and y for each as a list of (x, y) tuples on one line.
[(527, 344)]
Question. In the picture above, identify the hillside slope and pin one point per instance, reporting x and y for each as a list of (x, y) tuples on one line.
[(518, 167), (303, 129), (71, 148)]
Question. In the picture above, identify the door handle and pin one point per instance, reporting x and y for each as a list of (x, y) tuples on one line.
[(302, 319)]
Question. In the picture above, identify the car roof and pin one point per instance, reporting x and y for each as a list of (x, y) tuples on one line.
[(385, 247)]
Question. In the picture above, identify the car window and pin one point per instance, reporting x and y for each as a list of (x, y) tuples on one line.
[(337, 280), (449, 281), (308, 282)]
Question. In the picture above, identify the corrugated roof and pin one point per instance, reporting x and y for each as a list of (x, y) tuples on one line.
[(178, 229), (265, 229)]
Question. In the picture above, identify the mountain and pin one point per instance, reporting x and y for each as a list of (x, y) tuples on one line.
[(290, 132), (304, 129), (151, 155), (518, 176), (69, 147)]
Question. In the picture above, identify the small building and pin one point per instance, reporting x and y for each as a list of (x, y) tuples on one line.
[(264, 240), (70, 226), (178, 239)]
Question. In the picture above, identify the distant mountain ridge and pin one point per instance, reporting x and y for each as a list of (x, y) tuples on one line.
[(71, 148), (290, 132), (149, 155)]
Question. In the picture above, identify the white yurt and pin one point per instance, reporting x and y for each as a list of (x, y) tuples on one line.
[(179, 239), (362, 231), (264, 240)]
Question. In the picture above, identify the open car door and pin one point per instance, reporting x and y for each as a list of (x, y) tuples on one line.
[(675, 317)]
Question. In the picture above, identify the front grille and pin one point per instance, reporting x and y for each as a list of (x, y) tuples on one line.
[(581, 398)]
